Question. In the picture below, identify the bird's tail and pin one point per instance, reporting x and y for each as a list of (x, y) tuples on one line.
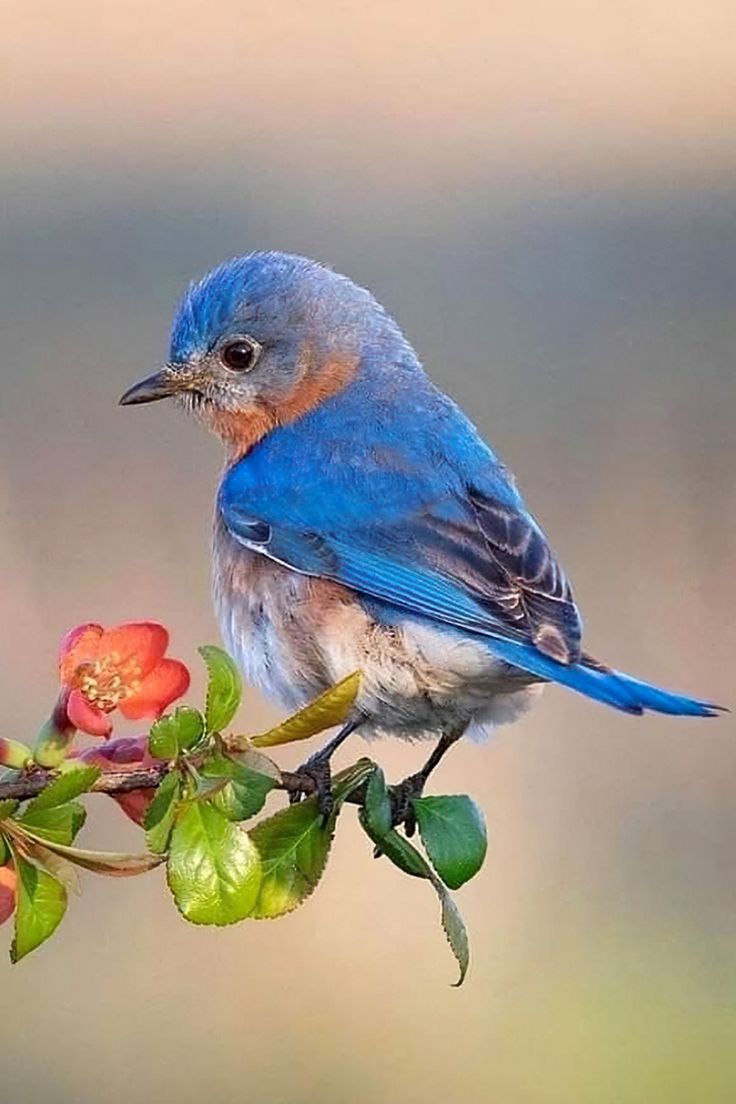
[(603, 684)]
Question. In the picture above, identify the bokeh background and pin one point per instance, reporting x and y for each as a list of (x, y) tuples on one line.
[(544, 195)]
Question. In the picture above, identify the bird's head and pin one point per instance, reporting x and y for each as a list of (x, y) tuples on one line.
[(263, 339)]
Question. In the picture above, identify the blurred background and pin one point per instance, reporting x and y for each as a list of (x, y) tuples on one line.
[(543, 194)]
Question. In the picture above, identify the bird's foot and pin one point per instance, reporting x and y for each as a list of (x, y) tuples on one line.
[(402, 796), (317, 777)]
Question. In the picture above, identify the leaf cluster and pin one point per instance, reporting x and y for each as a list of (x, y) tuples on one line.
[(221, 869)]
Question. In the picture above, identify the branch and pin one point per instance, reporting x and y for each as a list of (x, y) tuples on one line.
[(145, 778)]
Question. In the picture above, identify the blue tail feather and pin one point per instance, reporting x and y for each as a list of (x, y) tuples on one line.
[(610, 687)]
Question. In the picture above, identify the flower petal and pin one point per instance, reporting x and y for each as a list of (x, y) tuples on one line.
[(8, 882), (135, 644), (87, 717), (80, 645), (164, 684)]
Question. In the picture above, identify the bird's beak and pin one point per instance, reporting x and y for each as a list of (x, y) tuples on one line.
[(161, 385)]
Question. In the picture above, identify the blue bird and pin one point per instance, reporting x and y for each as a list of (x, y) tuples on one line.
[(363, 523)]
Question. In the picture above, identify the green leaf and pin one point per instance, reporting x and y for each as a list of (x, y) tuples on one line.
[(397, 849), (159, 819), (330, 709), (244, 794), (40, 909), (224, 689), (214, 869), (406, 857), (377, 808), (4, 851), (176, 732), (294, 845), (65, 788), (8, 807), (59, 824), (454, 835), (454, 928)]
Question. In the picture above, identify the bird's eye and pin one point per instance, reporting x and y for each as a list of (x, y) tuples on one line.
[(240, 355)]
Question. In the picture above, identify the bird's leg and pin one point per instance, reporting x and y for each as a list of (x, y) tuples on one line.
[(403, 794), (317, 770)]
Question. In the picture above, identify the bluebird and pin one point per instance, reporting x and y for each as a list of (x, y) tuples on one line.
[(363, 524)]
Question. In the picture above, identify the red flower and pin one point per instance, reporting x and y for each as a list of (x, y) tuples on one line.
[(122, 668), (8, 882)]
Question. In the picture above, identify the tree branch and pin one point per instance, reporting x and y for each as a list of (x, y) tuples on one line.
[(144, 778)]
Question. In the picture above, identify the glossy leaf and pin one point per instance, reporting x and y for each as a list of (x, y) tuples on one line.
[(214, 869), (294, 845), (224, 689), (70, 784), (41, 904), (59, 824), (244, 791), (159, 818), (454, 835), (330, 709), (176, 732)]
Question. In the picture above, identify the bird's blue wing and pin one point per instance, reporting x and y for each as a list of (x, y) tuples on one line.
[(469, 557)]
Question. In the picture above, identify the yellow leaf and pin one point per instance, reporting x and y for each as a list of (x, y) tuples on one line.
[(329, 709)]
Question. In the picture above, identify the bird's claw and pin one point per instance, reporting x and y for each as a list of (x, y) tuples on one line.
[(317, 780), (402, 796)]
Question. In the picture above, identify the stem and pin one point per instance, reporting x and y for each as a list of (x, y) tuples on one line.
[(145, 778)]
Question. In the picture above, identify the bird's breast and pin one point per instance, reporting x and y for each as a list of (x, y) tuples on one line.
[(274, 621)]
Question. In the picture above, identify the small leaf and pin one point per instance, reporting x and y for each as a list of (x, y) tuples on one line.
[(65, 788), (176, 732), (455, 930), (454, 835), (244, 791), (214, 869), (330, 709), (397, 849), (40, 908), (59, 824), (224, 689), (8, 807), (294, 845), (377, 806), (159, 818)]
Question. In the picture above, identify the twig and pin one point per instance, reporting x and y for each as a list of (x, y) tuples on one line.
[(143, 778)]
